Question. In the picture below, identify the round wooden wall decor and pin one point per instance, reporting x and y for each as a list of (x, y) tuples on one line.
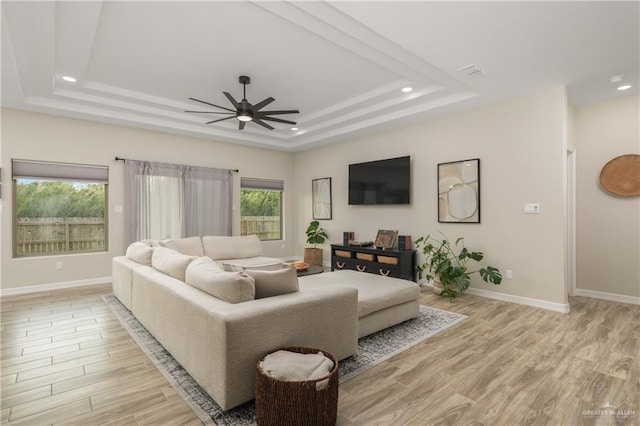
[(621, 176)]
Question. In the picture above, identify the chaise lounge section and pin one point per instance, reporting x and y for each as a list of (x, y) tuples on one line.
[(382, 301)]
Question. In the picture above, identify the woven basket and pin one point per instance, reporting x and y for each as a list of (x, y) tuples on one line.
[(342, 253), (388, 260), (297, 403), (364, 256)]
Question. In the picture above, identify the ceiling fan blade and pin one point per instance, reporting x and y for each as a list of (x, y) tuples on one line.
[(263, 104), (210, 112), (262, 123), (217, 106), (288, 111), (220, 119), (278, 120), (233, 101), (241, 125)]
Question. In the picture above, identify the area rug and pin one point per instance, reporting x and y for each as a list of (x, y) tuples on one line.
[(372, 350)]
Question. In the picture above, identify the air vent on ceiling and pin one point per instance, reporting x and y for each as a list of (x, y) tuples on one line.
[(472, 71)]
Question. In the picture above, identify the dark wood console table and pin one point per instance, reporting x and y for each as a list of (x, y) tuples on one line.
[(389, 263)]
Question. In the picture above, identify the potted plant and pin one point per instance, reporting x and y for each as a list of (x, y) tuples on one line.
[(447, 265), (315, 235)]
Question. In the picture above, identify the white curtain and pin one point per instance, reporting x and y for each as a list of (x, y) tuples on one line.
[(177, 201)]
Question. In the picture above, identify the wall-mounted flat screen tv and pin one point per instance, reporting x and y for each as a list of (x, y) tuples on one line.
[(380, 182)]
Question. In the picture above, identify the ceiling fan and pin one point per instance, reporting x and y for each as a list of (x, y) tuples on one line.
[(245, 111)]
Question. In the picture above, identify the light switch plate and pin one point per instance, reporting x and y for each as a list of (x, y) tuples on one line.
[(532, 208)]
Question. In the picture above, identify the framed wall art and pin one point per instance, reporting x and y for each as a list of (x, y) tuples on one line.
[(459, 191), (321, 198)]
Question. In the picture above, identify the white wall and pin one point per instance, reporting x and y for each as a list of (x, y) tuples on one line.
[(51, 138), (522, 147), (608, 226)]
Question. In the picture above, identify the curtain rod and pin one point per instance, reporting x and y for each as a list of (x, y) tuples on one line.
[(124, 160)]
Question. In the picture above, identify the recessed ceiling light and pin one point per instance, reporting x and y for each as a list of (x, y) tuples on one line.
[(294, 128), (407, 89), (69, 78), (619, 83)]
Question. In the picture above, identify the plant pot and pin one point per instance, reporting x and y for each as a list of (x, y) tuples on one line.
[(313, 256), (437, 287)]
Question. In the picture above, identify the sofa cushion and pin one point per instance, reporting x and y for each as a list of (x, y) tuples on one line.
[(375, 292), (233, 287), (191, 246), (171, 262), (274, 283), (140, 252), (217, 247)]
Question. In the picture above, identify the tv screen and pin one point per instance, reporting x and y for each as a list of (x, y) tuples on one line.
[(380, 182)]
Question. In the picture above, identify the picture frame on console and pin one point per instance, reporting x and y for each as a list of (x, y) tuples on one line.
[(386, 239), (321, 198), (459, 191)]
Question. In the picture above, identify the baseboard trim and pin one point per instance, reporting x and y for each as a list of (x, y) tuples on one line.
[(536, 303), (612, 297), (53, 286)]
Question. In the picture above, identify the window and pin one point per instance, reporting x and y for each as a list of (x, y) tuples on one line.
[(261, 208), (60, 208)]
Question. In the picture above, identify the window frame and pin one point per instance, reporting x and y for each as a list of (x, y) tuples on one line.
[(57, 172), (255, 184)]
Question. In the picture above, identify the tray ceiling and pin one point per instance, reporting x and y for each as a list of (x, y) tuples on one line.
[(342, 64)]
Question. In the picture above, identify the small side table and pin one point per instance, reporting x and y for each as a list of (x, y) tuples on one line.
[(311, 270), (311, 402)]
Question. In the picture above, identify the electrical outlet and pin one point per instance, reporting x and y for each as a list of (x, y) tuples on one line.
[(508, 274), (59, 266)]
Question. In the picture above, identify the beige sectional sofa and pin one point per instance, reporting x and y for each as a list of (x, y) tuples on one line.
[(218, 324)]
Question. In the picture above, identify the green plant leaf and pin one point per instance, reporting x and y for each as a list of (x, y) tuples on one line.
[(476, 255), (491, 275), (463, 254), (443, 267), (463, 282), (448, 292)]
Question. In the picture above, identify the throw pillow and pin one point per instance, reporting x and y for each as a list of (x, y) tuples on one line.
[(274, 283), (171, 262), (232, 268), (233, 287), (167, 242), (140, 252)]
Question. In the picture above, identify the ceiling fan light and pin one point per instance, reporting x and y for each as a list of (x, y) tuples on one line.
[(244, 116)]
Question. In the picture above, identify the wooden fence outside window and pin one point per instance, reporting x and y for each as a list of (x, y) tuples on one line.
[(265, 227), (50, 235)]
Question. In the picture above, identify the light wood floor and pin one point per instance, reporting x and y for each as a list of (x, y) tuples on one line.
[(65, 359)]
